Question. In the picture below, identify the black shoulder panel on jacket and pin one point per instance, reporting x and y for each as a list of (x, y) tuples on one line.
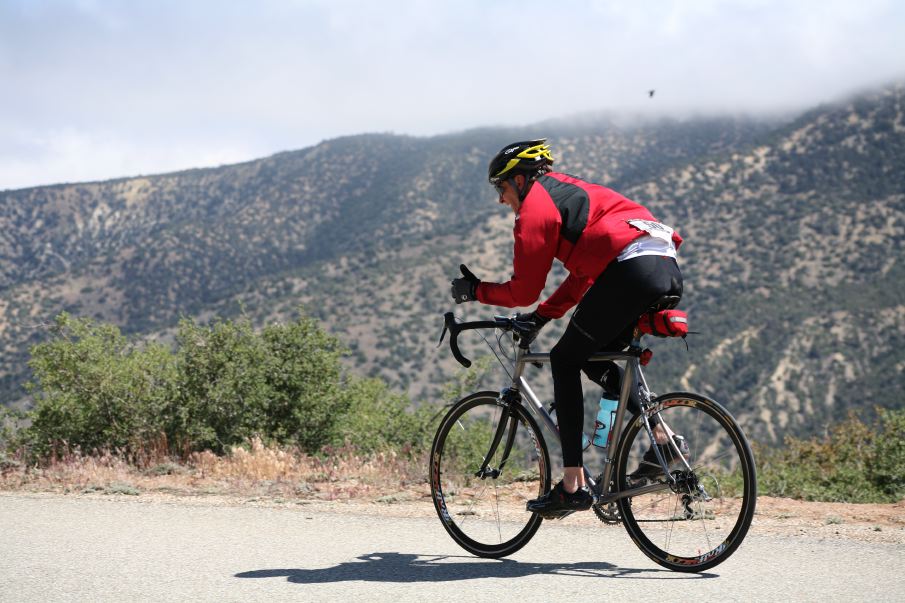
[(573, 204)]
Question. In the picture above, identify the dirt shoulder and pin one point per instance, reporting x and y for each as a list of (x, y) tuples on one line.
[(874, 523), (384, 485)]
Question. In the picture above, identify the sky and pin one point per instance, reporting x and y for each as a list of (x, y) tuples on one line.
[(98, 89)]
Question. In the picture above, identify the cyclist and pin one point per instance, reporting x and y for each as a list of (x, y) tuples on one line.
[(620, 261)]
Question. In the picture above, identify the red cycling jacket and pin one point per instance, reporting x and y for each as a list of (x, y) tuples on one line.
[(583, 225)]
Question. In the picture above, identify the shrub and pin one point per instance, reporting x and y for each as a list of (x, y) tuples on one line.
[(284, 384), (10, 421), (222, 385), (309, 396), (854, 462), (379, 420), (887, 470), (93, 389)]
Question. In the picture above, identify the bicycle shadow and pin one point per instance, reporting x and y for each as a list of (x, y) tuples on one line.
[(406, 567)]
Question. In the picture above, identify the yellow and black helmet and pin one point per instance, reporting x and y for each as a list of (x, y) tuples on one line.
[(529, 157)]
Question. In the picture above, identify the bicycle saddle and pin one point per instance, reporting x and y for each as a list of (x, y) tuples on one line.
[(667, 302)]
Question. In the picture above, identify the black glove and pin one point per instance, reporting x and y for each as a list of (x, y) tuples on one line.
[(535, 321), (465, 289)]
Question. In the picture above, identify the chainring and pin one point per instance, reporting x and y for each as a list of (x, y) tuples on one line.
[(608, 514)]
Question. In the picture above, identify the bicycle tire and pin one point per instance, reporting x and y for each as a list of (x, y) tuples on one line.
[(685, 528), (487, 516)]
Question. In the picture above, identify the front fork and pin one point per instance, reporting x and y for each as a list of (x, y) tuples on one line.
[(508, 419)]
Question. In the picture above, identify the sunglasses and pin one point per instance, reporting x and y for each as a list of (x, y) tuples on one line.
[(499, 188)]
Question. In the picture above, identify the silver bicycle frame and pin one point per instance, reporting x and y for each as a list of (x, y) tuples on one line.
[(632, 373)]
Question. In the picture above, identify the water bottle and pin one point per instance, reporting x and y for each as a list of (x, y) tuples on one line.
[(606, 416), (585, 440)]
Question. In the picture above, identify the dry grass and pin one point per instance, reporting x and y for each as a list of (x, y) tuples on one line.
[(387, 484), (253, 470)]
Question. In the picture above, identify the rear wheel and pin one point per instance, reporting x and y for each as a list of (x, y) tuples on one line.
[(485, 514), (699, 521)]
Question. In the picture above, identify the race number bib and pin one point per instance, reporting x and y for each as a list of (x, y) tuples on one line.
[(654, 229)]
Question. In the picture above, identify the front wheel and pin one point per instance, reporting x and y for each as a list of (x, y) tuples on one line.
[(699, 520), (484, 512)]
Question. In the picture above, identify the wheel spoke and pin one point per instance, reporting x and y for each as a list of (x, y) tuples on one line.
[(496, 522), (690, 531)]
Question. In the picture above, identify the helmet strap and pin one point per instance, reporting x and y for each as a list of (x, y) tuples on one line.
[(522, 192)]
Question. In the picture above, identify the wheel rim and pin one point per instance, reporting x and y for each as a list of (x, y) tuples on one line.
[(487, 516), (701, 520)]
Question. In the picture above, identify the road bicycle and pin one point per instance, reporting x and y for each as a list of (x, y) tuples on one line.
[(489, 457)]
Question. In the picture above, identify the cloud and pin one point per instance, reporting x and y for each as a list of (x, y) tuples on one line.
[(73, 155), (205, 75)]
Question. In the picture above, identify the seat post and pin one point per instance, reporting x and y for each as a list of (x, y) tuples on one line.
[(635, 345)]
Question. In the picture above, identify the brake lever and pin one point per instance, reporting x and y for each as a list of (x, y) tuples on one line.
[(442, 335), (519, 329)]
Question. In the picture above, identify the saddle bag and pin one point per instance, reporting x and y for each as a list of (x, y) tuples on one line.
[(665, 323)]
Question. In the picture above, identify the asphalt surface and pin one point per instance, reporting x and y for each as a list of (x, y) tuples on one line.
[(67, 548)]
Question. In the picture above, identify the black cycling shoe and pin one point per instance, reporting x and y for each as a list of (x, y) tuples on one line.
[(557, 503), (649, 468)]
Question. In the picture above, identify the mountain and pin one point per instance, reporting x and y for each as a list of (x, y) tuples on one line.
[(793, 253)]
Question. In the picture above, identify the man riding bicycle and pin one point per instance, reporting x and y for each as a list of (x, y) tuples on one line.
[(620, 261)]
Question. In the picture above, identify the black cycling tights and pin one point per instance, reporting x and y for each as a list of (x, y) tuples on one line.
[(604, 321)]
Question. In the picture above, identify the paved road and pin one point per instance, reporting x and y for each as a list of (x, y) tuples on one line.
[(85, 549)]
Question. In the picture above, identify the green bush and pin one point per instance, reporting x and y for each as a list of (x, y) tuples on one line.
[(94, 389), (222, 385), (284, 384), (10, 420), (888, 467), (381, 420), (854, 462)]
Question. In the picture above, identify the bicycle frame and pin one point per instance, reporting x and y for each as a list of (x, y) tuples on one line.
[(506, 427), (520, 388)]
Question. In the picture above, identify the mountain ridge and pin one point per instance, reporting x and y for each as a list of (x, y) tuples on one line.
[(367, 230)]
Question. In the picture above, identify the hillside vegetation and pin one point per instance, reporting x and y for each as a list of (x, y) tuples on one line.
[(222, 386), (793, 253), (274, 405)]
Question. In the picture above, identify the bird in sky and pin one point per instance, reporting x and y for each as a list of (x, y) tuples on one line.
[(650, 93)]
